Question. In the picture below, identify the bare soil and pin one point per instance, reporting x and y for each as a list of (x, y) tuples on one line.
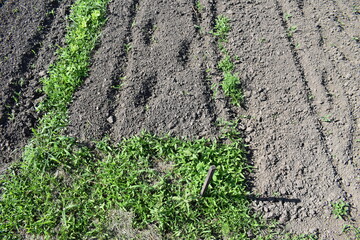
[(299, 62)]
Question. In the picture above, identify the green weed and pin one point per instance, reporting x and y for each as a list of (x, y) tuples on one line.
[(287, 16), (226, 65), (49, 155), (222, 28), (231, 82), (199, 7), (350, 229), (291, 30), (231, 87), (157, 178), (127, 47), (326, 118), (341, 209)]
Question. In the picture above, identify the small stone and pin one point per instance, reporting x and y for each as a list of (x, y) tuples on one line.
[(283, 191), (42, 73), (247, 94), (269, 215), (263, 97), (110, 119), (249, 130), (248, 139), (348, 76), (284, 217)]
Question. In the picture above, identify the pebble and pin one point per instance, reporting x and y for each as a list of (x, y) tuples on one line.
[(110, 119), (249, 130), (42, 73), (283, 191), (247, 94), (348, 76), (284, 217), (248, 139)]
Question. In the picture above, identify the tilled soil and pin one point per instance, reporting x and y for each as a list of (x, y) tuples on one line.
[(153, 70)]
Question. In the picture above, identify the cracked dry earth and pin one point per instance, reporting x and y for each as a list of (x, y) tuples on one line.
[(299, 62)]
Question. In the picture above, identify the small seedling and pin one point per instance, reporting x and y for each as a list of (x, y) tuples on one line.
[(199, 6), (117, 86), (291, 30), (350, 229), (340, 209), (11, 116), (222, 28), (356, 9), (52, 12), (262, 40), (276, 194), (326, 118), (226, 65), (287, 16), (127, 47)]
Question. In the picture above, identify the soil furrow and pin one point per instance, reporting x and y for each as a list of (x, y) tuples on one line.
[(314, 89), (332, 105), (118, 75), (168, 71), (24, 92), (223, 109), (288, 147), (106, 77), (16, 59), (316, 85)]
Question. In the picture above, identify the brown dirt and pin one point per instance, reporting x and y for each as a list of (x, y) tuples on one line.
[(302, 90), (30, 32)]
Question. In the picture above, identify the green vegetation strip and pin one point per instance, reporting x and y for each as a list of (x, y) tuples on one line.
[(231, 81)]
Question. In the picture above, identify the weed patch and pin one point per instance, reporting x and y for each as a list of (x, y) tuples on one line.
[(70, 196), (231, 81)]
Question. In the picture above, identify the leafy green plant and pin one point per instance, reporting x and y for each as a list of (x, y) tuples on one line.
[(222, 28), (71, 195), (231, 82), (231, 87), (226, 65), (48, 152), (341, 209)]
